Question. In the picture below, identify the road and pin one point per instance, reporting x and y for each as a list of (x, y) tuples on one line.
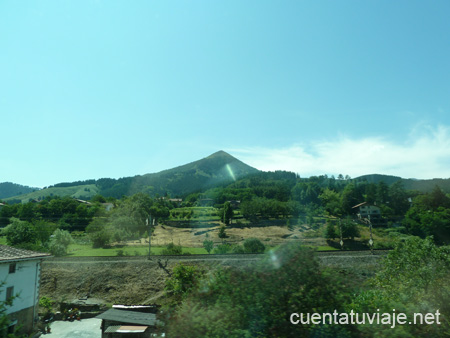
[(86, 328)]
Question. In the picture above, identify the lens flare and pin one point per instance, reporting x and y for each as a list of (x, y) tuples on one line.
[(230, 171)]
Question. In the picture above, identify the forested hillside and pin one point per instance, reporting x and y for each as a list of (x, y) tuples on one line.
[(8, 189), (217, 169)]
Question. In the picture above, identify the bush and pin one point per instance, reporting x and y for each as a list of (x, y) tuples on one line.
[(253, 245), (208, 245), (222, 248), (238, 249), (222, 233), (19, 232), (100, 239), (59, 242), (172, 249), (330, 231)]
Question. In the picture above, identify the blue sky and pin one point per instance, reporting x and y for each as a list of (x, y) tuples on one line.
[(92, 89)]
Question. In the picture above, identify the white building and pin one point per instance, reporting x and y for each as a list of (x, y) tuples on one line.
[(20, 273), (366, 210)]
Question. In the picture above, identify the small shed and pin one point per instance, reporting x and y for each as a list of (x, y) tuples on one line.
[(124, 323)]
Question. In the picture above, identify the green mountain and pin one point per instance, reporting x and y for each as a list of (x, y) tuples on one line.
[(84, 192), (8, 189), (409, 183), (216, 169), (377, 178)]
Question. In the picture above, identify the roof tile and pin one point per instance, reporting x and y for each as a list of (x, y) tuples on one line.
[(9, 253)]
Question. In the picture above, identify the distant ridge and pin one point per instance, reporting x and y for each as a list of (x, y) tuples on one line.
[(409, 183), (8, 189), (376, 178), (218, 168)]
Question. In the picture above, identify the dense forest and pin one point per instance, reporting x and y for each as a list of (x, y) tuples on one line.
[(8, 189), (261, 196)]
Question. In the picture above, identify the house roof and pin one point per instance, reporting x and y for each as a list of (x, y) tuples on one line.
[(8, 253), (129, 317), (125, 329)]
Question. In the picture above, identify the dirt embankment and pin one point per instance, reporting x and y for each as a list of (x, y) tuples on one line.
[(114, 280), (136, 280)]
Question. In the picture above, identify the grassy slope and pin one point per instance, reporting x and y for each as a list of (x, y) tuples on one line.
[(75, 191)]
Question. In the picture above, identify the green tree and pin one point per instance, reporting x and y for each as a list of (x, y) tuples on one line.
[(227, 213), (60, 242), (19, 232), (249, 210), (429, 216), (349, 229), (331, 201), (222, 233), (253, 245), (349, 198), (222, 249), (98, 233), (184, 278), (172, 249), (208, 245), (398, 199), (382, 193), (44, 230), (47, 304), (330, 231)]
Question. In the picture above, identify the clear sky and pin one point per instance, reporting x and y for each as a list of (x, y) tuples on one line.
[(92, 89)]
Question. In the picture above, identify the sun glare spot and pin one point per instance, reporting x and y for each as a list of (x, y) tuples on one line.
[(230, 171), (274, 259)]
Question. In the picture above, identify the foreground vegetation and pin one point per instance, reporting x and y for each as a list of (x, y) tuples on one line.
[(259, 301)]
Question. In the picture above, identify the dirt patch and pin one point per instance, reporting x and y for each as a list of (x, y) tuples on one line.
[(112, 282), (190, 237), (115, 280)]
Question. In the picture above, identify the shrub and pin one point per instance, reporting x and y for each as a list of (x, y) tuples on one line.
[(60, 242), (253, 245), (222, 233), (120, 253), (222, 248), (238, 249), (208, 245), (19, 232), (172, 249)]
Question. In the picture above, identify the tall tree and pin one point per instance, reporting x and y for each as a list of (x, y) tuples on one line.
[(227, 213)]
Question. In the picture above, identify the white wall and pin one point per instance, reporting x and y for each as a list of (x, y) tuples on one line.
[(25, 281)]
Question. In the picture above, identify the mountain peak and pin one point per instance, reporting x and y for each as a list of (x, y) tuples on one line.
[(220, 153)]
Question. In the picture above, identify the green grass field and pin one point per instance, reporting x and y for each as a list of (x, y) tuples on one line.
[(85, 250)]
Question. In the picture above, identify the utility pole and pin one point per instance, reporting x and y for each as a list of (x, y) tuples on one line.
[(371, 237), (149, 222)]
